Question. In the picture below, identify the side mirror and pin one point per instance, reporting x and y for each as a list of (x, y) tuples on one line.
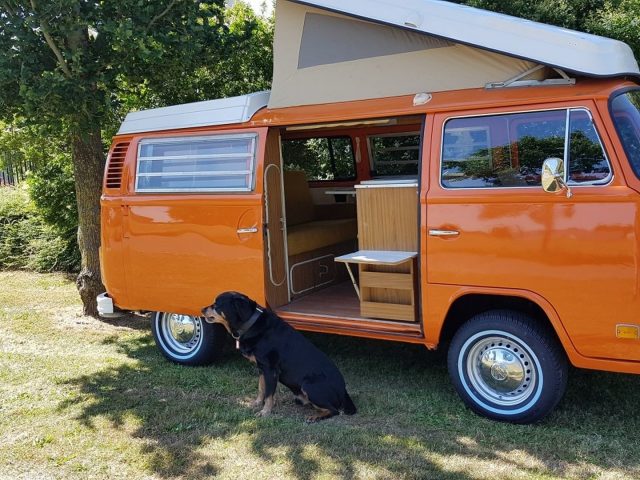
[(553, 176)]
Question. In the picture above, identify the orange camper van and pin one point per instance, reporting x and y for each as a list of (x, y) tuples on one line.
[(424, 173)]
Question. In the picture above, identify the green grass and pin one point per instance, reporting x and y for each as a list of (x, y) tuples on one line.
[(80, 398)]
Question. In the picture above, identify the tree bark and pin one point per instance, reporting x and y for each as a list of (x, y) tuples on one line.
[(88, 166)]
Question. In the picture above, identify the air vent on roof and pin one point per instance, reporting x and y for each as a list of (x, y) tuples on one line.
[(115, 165)]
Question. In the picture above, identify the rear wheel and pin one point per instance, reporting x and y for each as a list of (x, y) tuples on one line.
[(507, 367), (187, 340)]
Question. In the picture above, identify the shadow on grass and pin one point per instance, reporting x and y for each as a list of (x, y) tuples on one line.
[(195, 422)]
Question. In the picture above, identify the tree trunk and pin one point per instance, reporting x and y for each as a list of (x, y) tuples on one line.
[(88, 166)]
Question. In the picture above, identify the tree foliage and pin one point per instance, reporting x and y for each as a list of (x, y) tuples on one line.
[(69, 60), (76, 66), (619, 19), (28, 241)]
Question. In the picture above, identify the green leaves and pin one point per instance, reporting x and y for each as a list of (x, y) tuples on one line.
[(83, 61), (619, 19)]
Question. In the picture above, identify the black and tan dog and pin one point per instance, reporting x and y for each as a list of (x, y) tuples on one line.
[(281, 354)]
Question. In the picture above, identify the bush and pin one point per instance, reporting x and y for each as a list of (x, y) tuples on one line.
[(51, 188), (27, 241), (14, 205)]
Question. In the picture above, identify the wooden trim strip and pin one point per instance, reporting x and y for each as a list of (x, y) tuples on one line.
[(388, 310), (352, 326)]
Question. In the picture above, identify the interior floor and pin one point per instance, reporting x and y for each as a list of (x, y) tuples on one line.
[(339, 300)]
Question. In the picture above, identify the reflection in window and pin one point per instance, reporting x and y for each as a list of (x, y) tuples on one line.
[(625, 110), (509, 150), (395, 154), (325, 158), (587, 162), (502, 150)]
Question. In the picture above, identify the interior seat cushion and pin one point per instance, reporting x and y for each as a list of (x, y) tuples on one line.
[(319, 234), (298, 202)]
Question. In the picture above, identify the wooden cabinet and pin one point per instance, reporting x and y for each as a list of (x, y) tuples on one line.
[(388, 222)]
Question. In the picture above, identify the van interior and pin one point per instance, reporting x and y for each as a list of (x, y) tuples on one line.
[(342, 219)]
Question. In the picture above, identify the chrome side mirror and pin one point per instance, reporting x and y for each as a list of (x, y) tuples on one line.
[(553, 176)]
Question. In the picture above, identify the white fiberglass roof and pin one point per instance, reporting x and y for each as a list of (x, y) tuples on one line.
[(211, 112), (549, 45)]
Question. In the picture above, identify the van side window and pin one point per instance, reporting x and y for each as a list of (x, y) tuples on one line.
[(213, 163), (587, 161), (321, 158), (394, 154), (508, 150)]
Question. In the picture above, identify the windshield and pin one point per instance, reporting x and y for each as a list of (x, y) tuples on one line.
[(625, 111)]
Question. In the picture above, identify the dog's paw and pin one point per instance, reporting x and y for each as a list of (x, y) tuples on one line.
[(263, 413)]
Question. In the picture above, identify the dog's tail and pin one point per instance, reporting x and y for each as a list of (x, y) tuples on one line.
[(347, 405)]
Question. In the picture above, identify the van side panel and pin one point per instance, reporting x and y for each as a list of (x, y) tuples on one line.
[(579, 254), (112, 251), (180, 250), (442, 296), (181, 253)]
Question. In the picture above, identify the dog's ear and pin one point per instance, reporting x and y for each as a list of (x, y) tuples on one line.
[(243, 307), (236, 307)]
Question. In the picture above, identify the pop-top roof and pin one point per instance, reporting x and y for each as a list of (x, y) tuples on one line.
[(329, 51), (549, 45), (211, 112)]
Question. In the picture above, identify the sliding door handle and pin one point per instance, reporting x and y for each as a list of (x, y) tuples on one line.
[(443, 233)]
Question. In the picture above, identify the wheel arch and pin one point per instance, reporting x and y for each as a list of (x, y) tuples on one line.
[(468, 302)]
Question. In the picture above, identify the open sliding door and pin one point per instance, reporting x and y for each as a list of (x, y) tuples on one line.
[(276, 279), (192, 225)]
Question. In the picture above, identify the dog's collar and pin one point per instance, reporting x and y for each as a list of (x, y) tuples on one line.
[(248, 324)]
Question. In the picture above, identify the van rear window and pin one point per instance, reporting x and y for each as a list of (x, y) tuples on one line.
[(508, 150), (625, 111), (214, 163), (394, 154)]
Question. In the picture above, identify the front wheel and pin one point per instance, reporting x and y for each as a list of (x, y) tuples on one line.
[(187, 340), (507, 367)]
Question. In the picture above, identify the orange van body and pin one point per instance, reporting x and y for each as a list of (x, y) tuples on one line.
[(176, 252)]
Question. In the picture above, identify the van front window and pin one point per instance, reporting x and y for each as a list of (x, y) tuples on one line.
[(625, 111)]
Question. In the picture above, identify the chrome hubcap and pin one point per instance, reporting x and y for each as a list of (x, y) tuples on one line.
[(183, 333), (501, 370)]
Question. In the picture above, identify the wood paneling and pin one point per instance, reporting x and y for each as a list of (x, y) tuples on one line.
[(276, 281), (388, 218), (383, 289), (386, 310), (386, 280)]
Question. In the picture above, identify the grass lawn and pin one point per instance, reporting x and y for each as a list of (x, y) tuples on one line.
[(80, 398)]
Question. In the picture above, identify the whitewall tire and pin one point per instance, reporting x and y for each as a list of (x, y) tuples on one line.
[(186, 339), (506, 366)]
